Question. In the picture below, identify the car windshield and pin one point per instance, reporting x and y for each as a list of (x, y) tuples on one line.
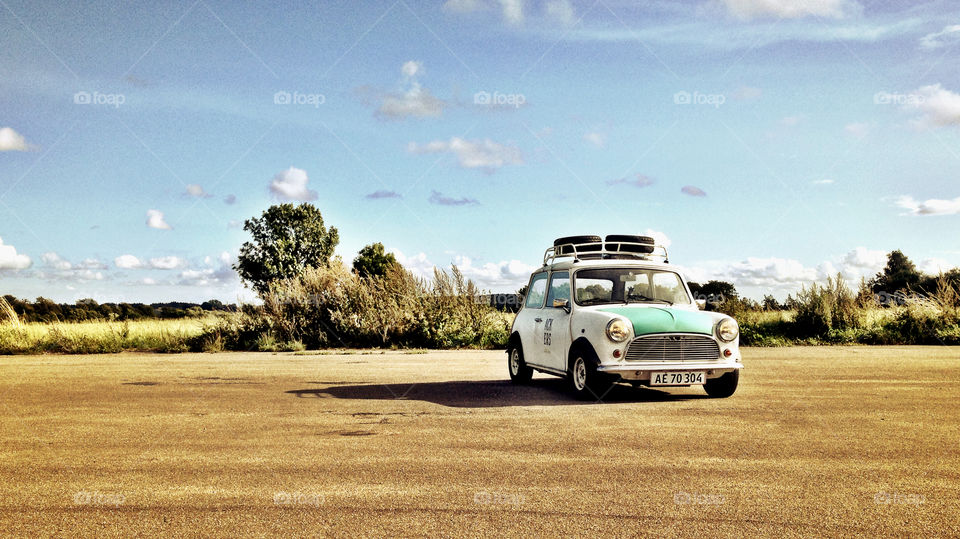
[(629, 285)]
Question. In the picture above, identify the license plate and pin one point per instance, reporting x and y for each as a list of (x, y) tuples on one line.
[(681, 378)]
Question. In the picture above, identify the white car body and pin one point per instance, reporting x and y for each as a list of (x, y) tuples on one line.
[(669, 342)]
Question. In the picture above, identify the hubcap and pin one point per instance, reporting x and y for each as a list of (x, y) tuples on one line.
[(515, 362), (579, 373)]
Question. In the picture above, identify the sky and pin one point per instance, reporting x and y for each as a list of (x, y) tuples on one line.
[(769, 143)]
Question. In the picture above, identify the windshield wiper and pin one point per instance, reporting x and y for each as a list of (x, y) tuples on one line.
[(646, 299)]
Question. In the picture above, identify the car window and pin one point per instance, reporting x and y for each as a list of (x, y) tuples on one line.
[(536, 290), (668, 286), (628, 285), (559, 288), (594, 290)]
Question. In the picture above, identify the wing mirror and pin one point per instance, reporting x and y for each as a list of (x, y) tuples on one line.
[(702, 304), (562, 304)]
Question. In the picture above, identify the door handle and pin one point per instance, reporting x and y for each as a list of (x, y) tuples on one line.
[(538, 320)]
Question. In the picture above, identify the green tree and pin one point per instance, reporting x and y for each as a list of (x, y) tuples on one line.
[(373, 261), (287, 239), (899, 274)]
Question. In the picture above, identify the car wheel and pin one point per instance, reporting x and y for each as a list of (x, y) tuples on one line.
[(613, 243), (520, 373), (579, 241), (724, 386), (584, 380)]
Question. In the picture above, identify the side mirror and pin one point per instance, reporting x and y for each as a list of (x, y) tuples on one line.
[(702, 304), (562, 304)]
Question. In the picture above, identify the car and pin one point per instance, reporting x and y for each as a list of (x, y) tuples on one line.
[(604, 311)]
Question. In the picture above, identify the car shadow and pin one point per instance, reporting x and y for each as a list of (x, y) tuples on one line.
[(490, 393)]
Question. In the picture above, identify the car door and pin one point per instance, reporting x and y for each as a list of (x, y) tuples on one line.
[(556, 321), (529, 321)]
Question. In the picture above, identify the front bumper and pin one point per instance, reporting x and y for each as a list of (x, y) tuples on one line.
[(641, 371)]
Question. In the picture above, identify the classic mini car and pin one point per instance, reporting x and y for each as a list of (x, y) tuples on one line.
[(602, 311)]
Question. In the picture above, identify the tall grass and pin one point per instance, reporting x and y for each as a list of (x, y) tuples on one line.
[(333, 307), (178, 335)]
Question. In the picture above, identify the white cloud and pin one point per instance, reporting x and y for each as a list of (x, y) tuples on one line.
[(148, 281), (414, 100), (825, 181), (693, 191), (417, 102), (417, 264), (858, 130), (659, 237), (410, 68), (10, 260), (780, 276), (935, 266), (291, 184), (53, 260), (790, 9), (167, 262), (220, 275), (512, 11), (949, 34), (485, 155), (862, 262), (939, 107), (11, 141), (596, 138), (506, 275), (195, 190), (933, 206), (560, 11), (127, 262), (155, 220)]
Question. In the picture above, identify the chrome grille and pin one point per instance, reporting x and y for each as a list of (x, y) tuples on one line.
[(673, 348)]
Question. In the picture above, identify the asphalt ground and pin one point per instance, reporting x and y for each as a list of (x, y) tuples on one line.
[(818, 441)]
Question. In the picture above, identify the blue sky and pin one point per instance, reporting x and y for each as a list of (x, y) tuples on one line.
[(767, 142)]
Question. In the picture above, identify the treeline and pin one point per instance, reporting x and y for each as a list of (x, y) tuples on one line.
[(46, 310)]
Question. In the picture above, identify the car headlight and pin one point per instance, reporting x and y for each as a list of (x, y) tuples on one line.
[(618, 330), (728, 330)]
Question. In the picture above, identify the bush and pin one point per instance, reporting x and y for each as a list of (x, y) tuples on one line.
[(333, 307)]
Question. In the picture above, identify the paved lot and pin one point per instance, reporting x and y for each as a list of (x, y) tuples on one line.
[(817, 441)]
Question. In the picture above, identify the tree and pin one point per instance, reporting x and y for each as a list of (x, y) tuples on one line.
[(287, 239), (373, 261), (899, 274), (770, 303)]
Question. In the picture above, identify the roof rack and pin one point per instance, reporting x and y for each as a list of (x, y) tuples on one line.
[(598, 250)]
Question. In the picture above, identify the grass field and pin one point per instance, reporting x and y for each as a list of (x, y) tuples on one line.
[(102, 337), (817, 441)]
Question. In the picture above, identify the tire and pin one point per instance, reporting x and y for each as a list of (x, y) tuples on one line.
[(582, 376), (616, 239), (520, 373), (723, 387), (577, 240)]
